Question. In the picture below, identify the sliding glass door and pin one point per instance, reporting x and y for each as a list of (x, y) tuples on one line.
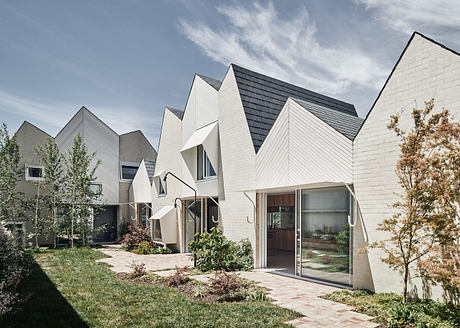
[(192, 211), (324, 237)]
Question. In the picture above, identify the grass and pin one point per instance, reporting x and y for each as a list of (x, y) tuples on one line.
[(332, 261), (68, 288), (427, 313)]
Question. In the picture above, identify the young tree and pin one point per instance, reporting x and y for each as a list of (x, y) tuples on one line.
[(40, 224), (443, 264), (414, 228), (80, 174), (10, 173), (52, 185)]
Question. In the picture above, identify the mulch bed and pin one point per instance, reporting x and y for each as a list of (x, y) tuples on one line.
[(195, 290)]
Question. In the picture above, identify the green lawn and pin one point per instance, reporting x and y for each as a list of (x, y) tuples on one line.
[(67, 288), (387, 309)]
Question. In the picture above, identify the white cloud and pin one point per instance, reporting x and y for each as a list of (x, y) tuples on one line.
[(258, 38), (52, 116), (410, 15)]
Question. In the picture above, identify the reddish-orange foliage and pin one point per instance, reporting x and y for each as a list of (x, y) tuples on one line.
[(426, 229)]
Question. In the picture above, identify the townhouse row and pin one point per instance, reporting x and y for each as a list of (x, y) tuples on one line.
[(297, 173), (120, 155)]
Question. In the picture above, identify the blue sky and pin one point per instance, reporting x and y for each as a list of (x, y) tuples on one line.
[(127, 59)]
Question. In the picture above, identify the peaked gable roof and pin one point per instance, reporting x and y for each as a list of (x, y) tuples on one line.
[(263, 97), (86, 110), (346, 124), (212, 82), (179, 113), (396, 65), (26, 124)]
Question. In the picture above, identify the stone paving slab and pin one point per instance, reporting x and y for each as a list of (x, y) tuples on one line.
[(121, 260), (295, 294)]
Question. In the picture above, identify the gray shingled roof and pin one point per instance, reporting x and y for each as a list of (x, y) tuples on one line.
[(179, 113), (150, 166), (263, 97), (212, 82), (346, 124)]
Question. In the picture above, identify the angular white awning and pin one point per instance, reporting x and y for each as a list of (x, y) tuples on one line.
[(165, 210), (208, 137), (168, 224)]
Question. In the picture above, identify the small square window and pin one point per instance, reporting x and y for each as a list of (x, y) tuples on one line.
[(128, 172), (34, 173), (96, 188)]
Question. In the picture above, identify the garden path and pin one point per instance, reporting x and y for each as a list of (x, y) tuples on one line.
[(295, 294)]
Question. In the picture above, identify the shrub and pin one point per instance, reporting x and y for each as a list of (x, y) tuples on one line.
[(162, 250), (13, 268), (213, 251), (179, 277), (144, 248), (230, 287), (138, 270), (225, 283), (135, 236), (123, 228)]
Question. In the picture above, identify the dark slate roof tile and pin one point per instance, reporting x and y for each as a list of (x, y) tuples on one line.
[(212, 82), (150, 166), (346, 124), (263, 97), (179, 113)]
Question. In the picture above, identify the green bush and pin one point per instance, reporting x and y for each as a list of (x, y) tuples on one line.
[(213, 251), (145, 247), (13, 267), (388, 309)]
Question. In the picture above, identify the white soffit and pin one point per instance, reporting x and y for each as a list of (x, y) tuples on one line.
[(168, 224), (209, 138)]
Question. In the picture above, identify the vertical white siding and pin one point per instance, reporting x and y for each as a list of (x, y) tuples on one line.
[(302, 149), (169, 159), (425, 70), (201, 110), (141, 187)]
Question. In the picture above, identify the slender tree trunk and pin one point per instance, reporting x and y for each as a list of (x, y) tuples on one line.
[(72, 215), (54, 212), (406, 278), (36, 215)]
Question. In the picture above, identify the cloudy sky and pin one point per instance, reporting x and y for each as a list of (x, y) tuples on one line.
[(127, 59)]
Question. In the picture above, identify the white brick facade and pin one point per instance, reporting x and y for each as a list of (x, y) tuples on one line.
[(426, 70)]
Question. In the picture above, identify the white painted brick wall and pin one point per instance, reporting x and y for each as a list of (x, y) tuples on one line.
[(425, 71), (238, 164)]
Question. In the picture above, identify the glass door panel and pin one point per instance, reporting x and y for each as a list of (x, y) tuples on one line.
[(194, 208), (324, 247)]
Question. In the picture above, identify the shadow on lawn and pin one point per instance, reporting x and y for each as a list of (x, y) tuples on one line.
[(44, 306)]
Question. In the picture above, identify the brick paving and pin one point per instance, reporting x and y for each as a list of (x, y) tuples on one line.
[(295, 294)]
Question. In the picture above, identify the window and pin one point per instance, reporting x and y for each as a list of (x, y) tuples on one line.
[(161, 188), (128, 172), (34, 173), (96, 188), (204, 166)]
